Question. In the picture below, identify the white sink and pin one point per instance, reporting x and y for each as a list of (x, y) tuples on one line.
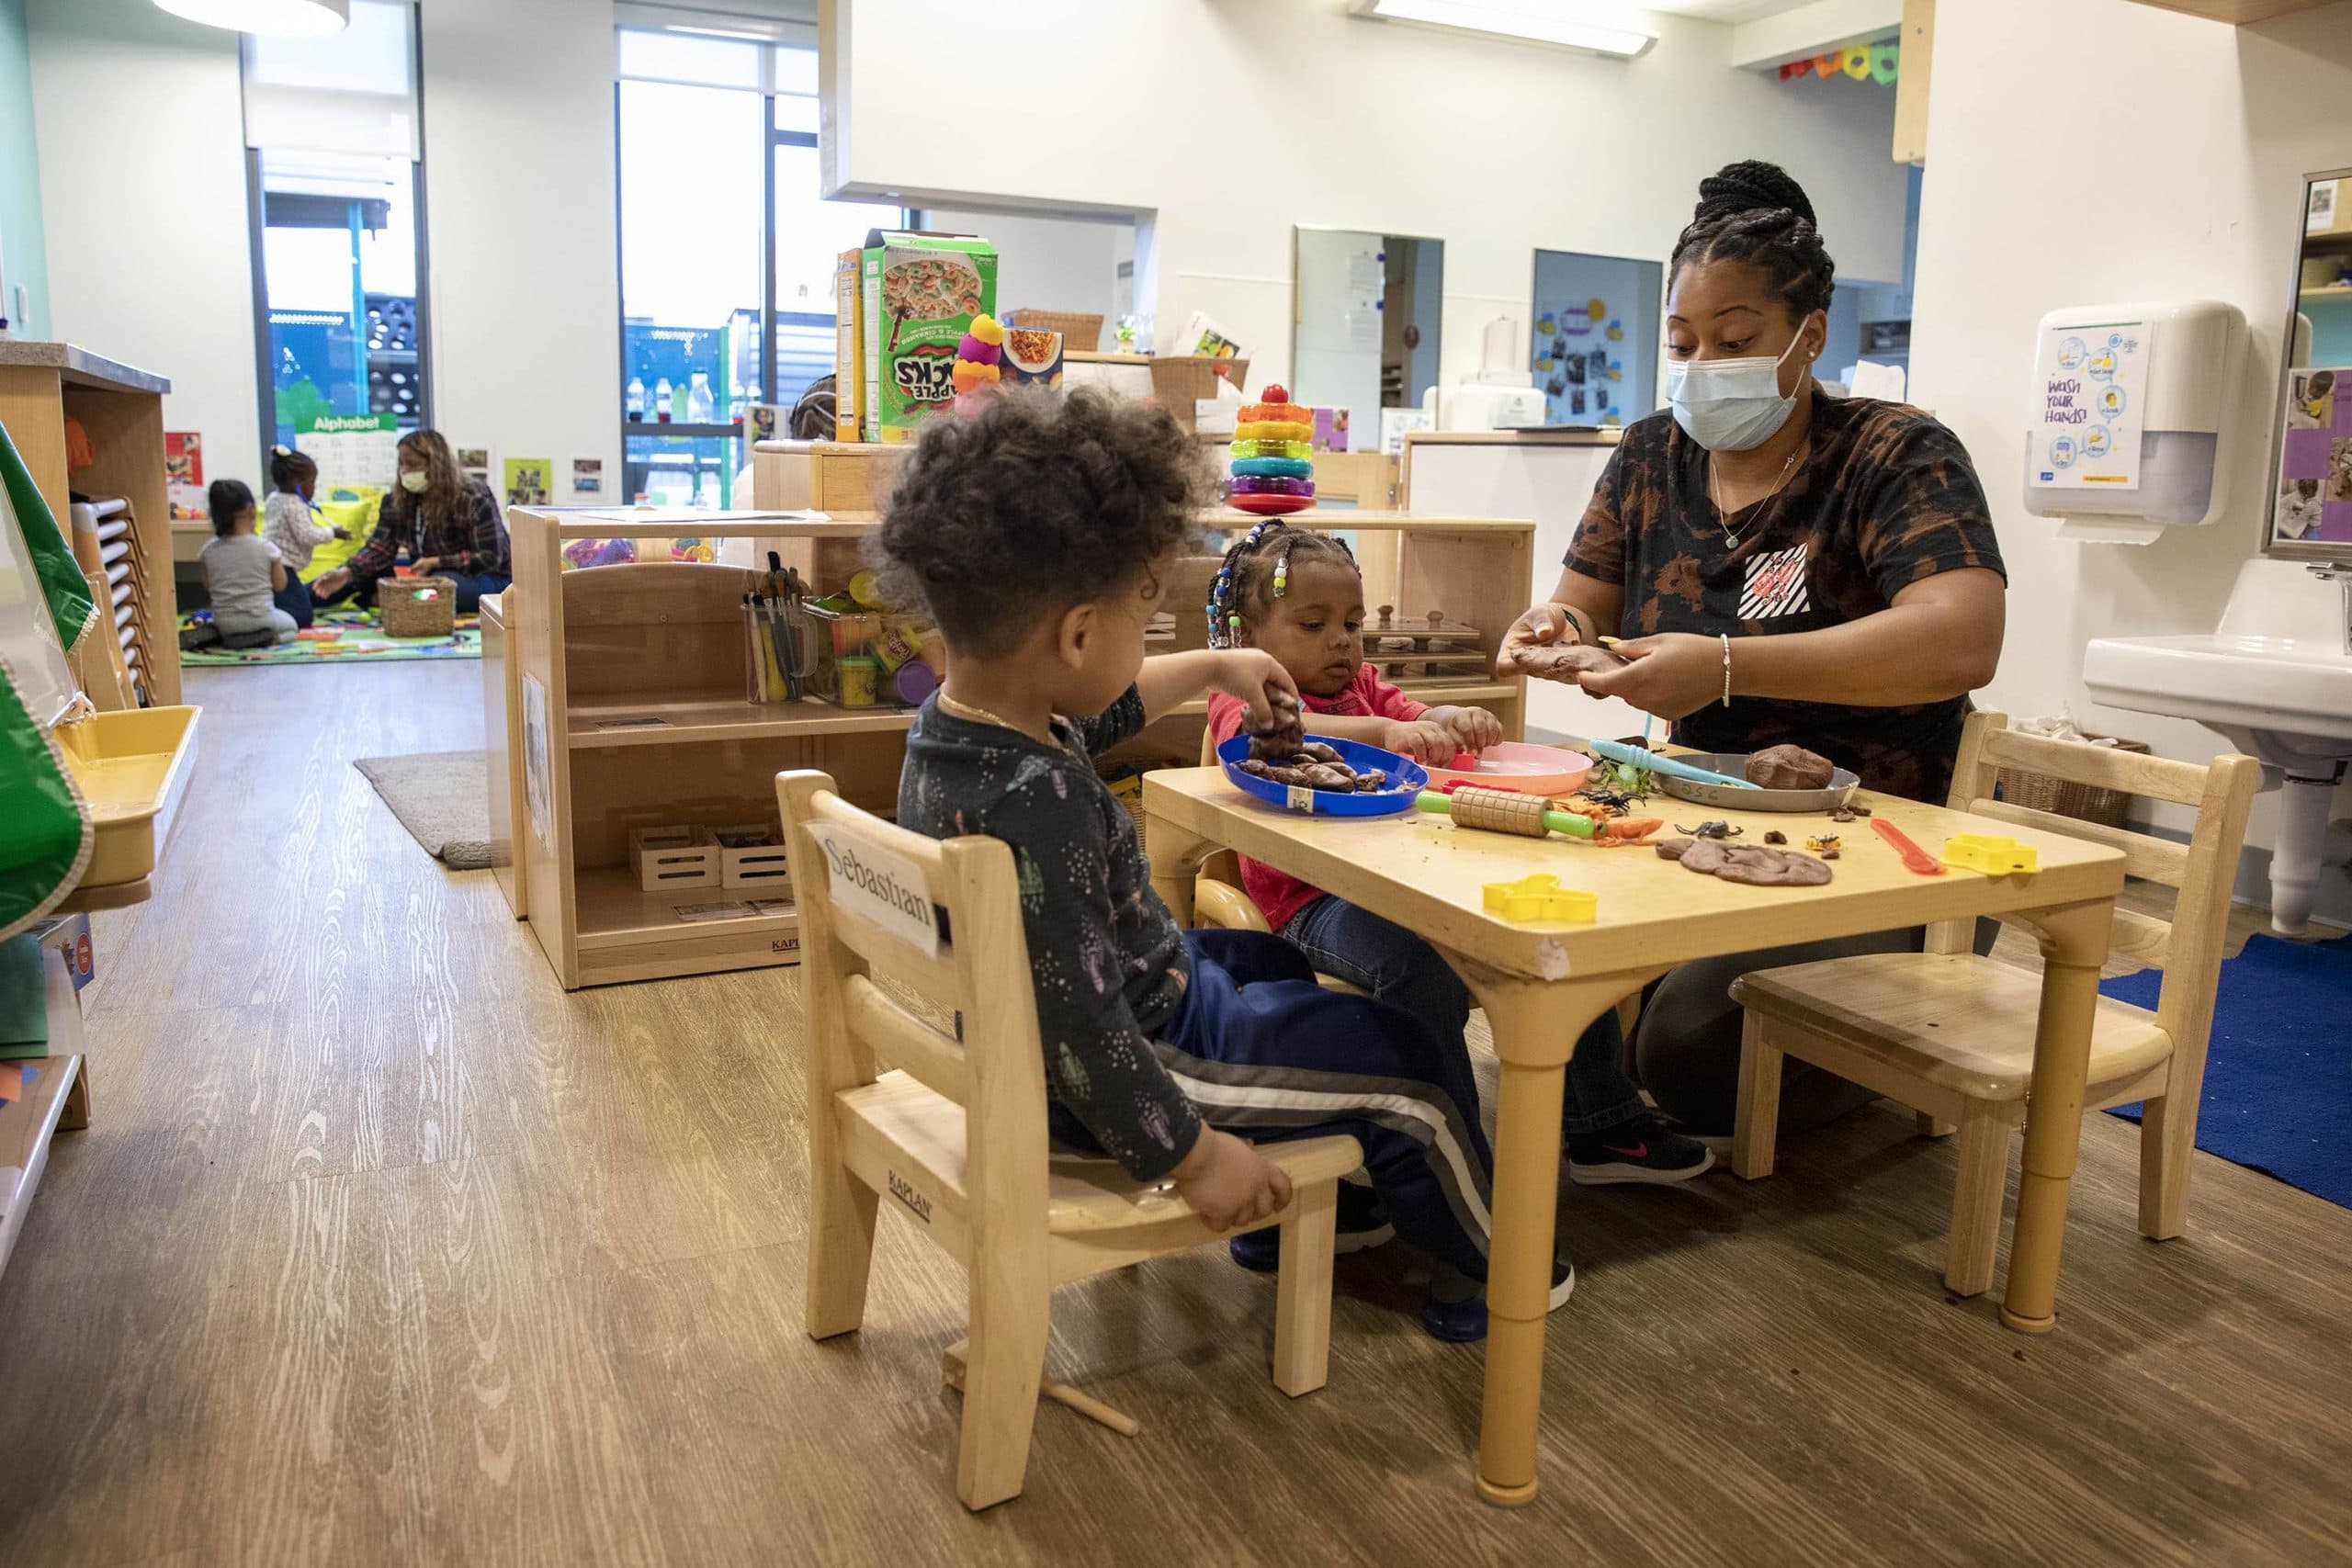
[(2277, 679)]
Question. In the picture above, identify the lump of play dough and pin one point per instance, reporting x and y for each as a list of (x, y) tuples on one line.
[(1751, 863), (1790, 767), (1564, 664)]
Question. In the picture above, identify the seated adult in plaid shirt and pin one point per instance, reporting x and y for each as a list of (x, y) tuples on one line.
[(448, 523)]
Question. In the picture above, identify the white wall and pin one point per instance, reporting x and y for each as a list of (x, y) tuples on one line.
[(1494, 148), (1049, 263), (2204, 141), (143, 172), (519, 188)]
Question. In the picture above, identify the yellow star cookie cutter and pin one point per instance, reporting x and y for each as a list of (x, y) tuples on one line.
[(1540, 897), (1995, 854)]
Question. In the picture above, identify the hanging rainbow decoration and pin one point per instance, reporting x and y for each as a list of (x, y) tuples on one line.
[(1879, 63)]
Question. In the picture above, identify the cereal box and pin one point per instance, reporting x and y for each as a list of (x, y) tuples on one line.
[(921, 293), (849, 347)]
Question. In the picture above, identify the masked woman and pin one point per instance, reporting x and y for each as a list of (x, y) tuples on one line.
[(1785, 567), (448, 524)]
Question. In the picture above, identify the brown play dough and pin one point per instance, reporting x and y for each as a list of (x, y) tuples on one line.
[(1790, 767), (1287, 732), (1564, 664), (1751, 863)]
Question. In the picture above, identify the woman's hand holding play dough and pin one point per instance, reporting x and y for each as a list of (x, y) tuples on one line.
[(1540, 627), (1670, 675)]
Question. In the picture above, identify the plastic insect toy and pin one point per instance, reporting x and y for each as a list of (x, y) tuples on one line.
[(1713, 827)]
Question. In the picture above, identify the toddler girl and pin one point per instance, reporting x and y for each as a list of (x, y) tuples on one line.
[(1299, 596), (289, 520), (243, 570)]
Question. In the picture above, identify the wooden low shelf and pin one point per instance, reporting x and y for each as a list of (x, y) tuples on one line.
[(595, 649)]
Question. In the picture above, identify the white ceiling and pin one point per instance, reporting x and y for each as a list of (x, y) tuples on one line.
[(1723, 10)]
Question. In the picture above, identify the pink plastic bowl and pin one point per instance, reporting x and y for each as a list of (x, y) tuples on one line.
[(1514, 764)]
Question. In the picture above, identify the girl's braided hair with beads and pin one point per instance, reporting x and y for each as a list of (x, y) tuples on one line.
[(1256, 571), (1755, 213)]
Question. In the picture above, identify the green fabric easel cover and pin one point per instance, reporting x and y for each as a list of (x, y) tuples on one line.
[(70, 608), (45, 827)]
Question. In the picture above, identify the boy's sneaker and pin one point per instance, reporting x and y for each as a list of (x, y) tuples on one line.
[(1644, 1149), (1455, 1308), (1362, 1224)]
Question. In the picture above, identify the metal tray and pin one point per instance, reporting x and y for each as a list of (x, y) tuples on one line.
[(1842, 788)]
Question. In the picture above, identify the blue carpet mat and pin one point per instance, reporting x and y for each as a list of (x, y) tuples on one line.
[(2278, 1073)]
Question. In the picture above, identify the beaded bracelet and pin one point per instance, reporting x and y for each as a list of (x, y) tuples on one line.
[(1726, 640)]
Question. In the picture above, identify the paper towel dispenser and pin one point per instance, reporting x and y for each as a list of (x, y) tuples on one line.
[(2123, 433)]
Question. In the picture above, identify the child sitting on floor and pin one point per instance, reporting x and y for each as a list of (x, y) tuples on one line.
[(1299, 596), (242, 572), (289, 520), (1041, 539)]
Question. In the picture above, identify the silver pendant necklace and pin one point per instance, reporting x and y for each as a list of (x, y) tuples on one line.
[(1714, 488)]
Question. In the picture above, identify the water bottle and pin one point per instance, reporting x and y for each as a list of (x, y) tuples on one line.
[(662, 401), (633, 405), (700, 408)]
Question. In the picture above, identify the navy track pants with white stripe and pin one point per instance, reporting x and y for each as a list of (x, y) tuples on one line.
[(1268, 1055)]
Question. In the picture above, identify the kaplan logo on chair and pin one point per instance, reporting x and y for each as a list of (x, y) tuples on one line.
[(917, 1204), (1775, 586)]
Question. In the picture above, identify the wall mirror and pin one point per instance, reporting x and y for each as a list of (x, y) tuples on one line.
[(1593, 348), (1364, 311), (2310, 493)]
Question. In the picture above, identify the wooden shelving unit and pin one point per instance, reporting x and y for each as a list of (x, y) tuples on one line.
[(629, 711), (136, 657)]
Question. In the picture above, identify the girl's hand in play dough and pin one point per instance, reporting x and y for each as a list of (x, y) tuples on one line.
[(1423, 739), (1670, 675), (1228, 1183), (1253, 675), (1475, 730)]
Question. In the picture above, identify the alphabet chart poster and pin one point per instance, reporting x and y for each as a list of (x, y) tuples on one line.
[(2314, 502), (2091, 383), (352, 448)]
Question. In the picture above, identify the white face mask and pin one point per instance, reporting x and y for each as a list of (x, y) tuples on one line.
[(1730, 405), (415, 481)]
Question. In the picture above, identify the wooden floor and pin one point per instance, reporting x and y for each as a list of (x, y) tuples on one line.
[(381, 1249)]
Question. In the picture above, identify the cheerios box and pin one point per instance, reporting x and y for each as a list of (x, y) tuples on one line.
[(921, 293)]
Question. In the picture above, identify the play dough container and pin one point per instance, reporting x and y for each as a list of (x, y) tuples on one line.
[(1515, 764)]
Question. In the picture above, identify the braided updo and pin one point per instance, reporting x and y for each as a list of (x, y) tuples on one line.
[(1755, 213)]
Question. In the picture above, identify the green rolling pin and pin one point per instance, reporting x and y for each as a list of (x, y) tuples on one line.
[(1504, 811)]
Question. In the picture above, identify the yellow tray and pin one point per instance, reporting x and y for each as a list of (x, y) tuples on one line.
[(132, 767)]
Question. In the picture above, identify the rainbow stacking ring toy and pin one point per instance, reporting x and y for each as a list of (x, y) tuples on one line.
[(1272, 461)]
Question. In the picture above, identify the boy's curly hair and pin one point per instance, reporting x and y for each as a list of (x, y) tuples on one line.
[(1034, 506)]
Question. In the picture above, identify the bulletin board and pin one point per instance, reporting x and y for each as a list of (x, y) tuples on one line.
[(1593, 349)]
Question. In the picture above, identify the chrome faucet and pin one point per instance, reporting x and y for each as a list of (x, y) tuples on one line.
[(2340, 573)]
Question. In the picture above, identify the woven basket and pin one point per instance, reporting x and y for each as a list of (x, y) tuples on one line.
[(1080, 331), (417, 607), (2063, 797)]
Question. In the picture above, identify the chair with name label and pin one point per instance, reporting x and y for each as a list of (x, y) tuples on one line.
[(950, 1122), (1951, 1034)]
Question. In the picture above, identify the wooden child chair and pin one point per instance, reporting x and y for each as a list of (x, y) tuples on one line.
[(1950, 1035), (952, 1125)]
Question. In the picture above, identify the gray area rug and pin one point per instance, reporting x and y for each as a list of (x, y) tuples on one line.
[(442, 798)]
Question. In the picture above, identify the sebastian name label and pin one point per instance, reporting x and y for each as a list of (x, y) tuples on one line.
[(888, 889)]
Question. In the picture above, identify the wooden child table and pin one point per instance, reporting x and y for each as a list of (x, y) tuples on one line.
[(1542, 984)]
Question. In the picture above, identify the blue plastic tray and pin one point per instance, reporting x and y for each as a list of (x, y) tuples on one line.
[(1406, 779)]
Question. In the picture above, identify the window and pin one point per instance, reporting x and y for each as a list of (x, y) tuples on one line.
[(721, 229), (333, 170)]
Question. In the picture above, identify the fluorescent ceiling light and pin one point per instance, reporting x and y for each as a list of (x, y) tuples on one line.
[(284, 19), (1604, 30)]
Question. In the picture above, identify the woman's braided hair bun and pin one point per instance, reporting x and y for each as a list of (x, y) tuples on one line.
[(1755, 212)]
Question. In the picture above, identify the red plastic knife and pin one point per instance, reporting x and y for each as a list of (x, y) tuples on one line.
[(1915, 857)]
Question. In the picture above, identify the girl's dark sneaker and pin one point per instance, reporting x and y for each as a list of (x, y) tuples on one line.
[(1643, 1150), (1363, 1223)]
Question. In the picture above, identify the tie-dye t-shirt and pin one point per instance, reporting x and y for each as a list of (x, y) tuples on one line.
[(1887, 499), (1107, 956)]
